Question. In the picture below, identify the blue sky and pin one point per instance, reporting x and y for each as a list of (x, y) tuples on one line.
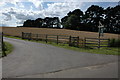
[(15, 12)]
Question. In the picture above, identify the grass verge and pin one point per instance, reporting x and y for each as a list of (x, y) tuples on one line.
[(104, 50), (8, 47)]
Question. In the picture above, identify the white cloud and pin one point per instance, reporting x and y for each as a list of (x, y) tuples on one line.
[(15, 16), (2, 3), (37, 3), (61, 9), (18, 15), (8, 16), (20, 5)]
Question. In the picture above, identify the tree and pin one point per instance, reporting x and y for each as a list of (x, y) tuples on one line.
[(72, 20), (93, 15), (56, 22), (76, 12), (39, 23), (112, 19), (64, 21), (29, 23)]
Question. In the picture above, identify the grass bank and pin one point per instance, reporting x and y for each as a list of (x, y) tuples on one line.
[(104, 50), (8, 48)]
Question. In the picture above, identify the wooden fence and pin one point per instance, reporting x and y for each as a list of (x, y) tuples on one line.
[(96, 42), (46, 37), (76, 41), (72, 41)]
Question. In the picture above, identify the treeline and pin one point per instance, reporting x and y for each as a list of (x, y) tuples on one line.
[(47, 22), (88, 21)]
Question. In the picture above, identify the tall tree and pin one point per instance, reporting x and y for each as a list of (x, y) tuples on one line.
[(112, 19), (56, 22), (29, 23), (52, 22), (39, 22), (72, 20), (64, 22), (93, 15)]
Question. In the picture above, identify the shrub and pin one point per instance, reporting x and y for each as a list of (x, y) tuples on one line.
[(114, 43)]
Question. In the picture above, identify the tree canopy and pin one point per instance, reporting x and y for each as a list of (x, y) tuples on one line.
[(47, 22), (72, 20), (86, 21)]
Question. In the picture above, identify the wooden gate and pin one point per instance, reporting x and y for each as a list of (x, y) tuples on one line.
[(26, 35), (74, 41)]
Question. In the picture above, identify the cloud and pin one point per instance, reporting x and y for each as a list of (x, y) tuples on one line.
[(37, 3), (61, 9), (20, 14), (20, 4), (13, 16), (8, 16), (2, 3), (22, 11)]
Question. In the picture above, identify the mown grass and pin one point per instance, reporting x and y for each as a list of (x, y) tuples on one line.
[(103, 50)]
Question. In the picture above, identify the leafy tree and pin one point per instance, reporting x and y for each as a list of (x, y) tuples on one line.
[(50, 22), (64, 22), (93, 15), (56, 22), (112, 19), (47, 22), (76, 12), (39, 22), (72, 20), (29, 23)]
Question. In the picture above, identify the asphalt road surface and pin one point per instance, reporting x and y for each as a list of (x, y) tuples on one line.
[(30, 59)]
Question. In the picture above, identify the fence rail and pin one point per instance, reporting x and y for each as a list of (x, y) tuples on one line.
[(96, 42), (72, 41)]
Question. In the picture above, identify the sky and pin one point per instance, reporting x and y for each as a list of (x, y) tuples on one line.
[(14, 12)]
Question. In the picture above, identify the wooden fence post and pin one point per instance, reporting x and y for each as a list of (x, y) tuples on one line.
[(57, 39), (99, 43), (37, 37), (30, 36), (108, 42), (22, 35), (70, 41), (3, 47), (78, 41), (46, 38), (84, 42)]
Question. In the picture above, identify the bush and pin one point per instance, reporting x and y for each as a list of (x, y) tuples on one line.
[(114, 43)]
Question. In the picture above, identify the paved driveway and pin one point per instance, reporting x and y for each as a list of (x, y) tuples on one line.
[(30, 58)]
